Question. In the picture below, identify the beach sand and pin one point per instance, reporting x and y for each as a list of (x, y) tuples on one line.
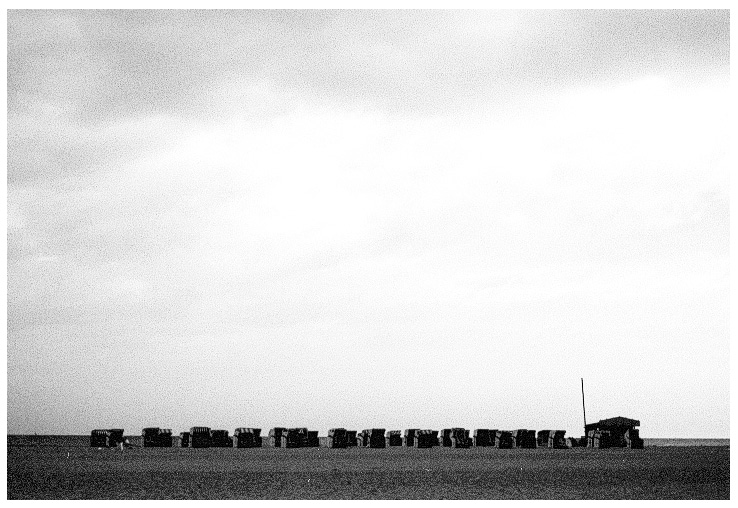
[(69, 471)]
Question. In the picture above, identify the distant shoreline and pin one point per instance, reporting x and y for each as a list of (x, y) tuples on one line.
[(651, 438), (82, 439)]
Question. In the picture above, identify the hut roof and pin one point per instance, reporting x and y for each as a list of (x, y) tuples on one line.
[(609, 423)]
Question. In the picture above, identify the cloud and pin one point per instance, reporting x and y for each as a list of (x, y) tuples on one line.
[(112, 64)]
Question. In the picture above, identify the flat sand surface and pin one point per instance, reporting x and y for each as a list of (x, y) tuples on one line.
[(78, 472)]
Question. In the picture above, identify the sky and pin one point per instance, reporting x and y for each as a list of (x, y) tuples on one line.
[(395, 219)]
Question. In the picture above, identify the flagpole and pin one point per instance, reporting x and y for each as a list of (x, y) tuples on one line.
[(584, 410)]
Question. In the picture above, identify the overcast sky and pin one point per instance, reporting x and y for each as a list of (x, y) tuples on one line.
[(368, 219)]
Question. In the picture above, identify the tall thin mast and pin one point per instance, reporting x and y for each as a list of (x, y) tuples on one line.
[(583, 408)]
